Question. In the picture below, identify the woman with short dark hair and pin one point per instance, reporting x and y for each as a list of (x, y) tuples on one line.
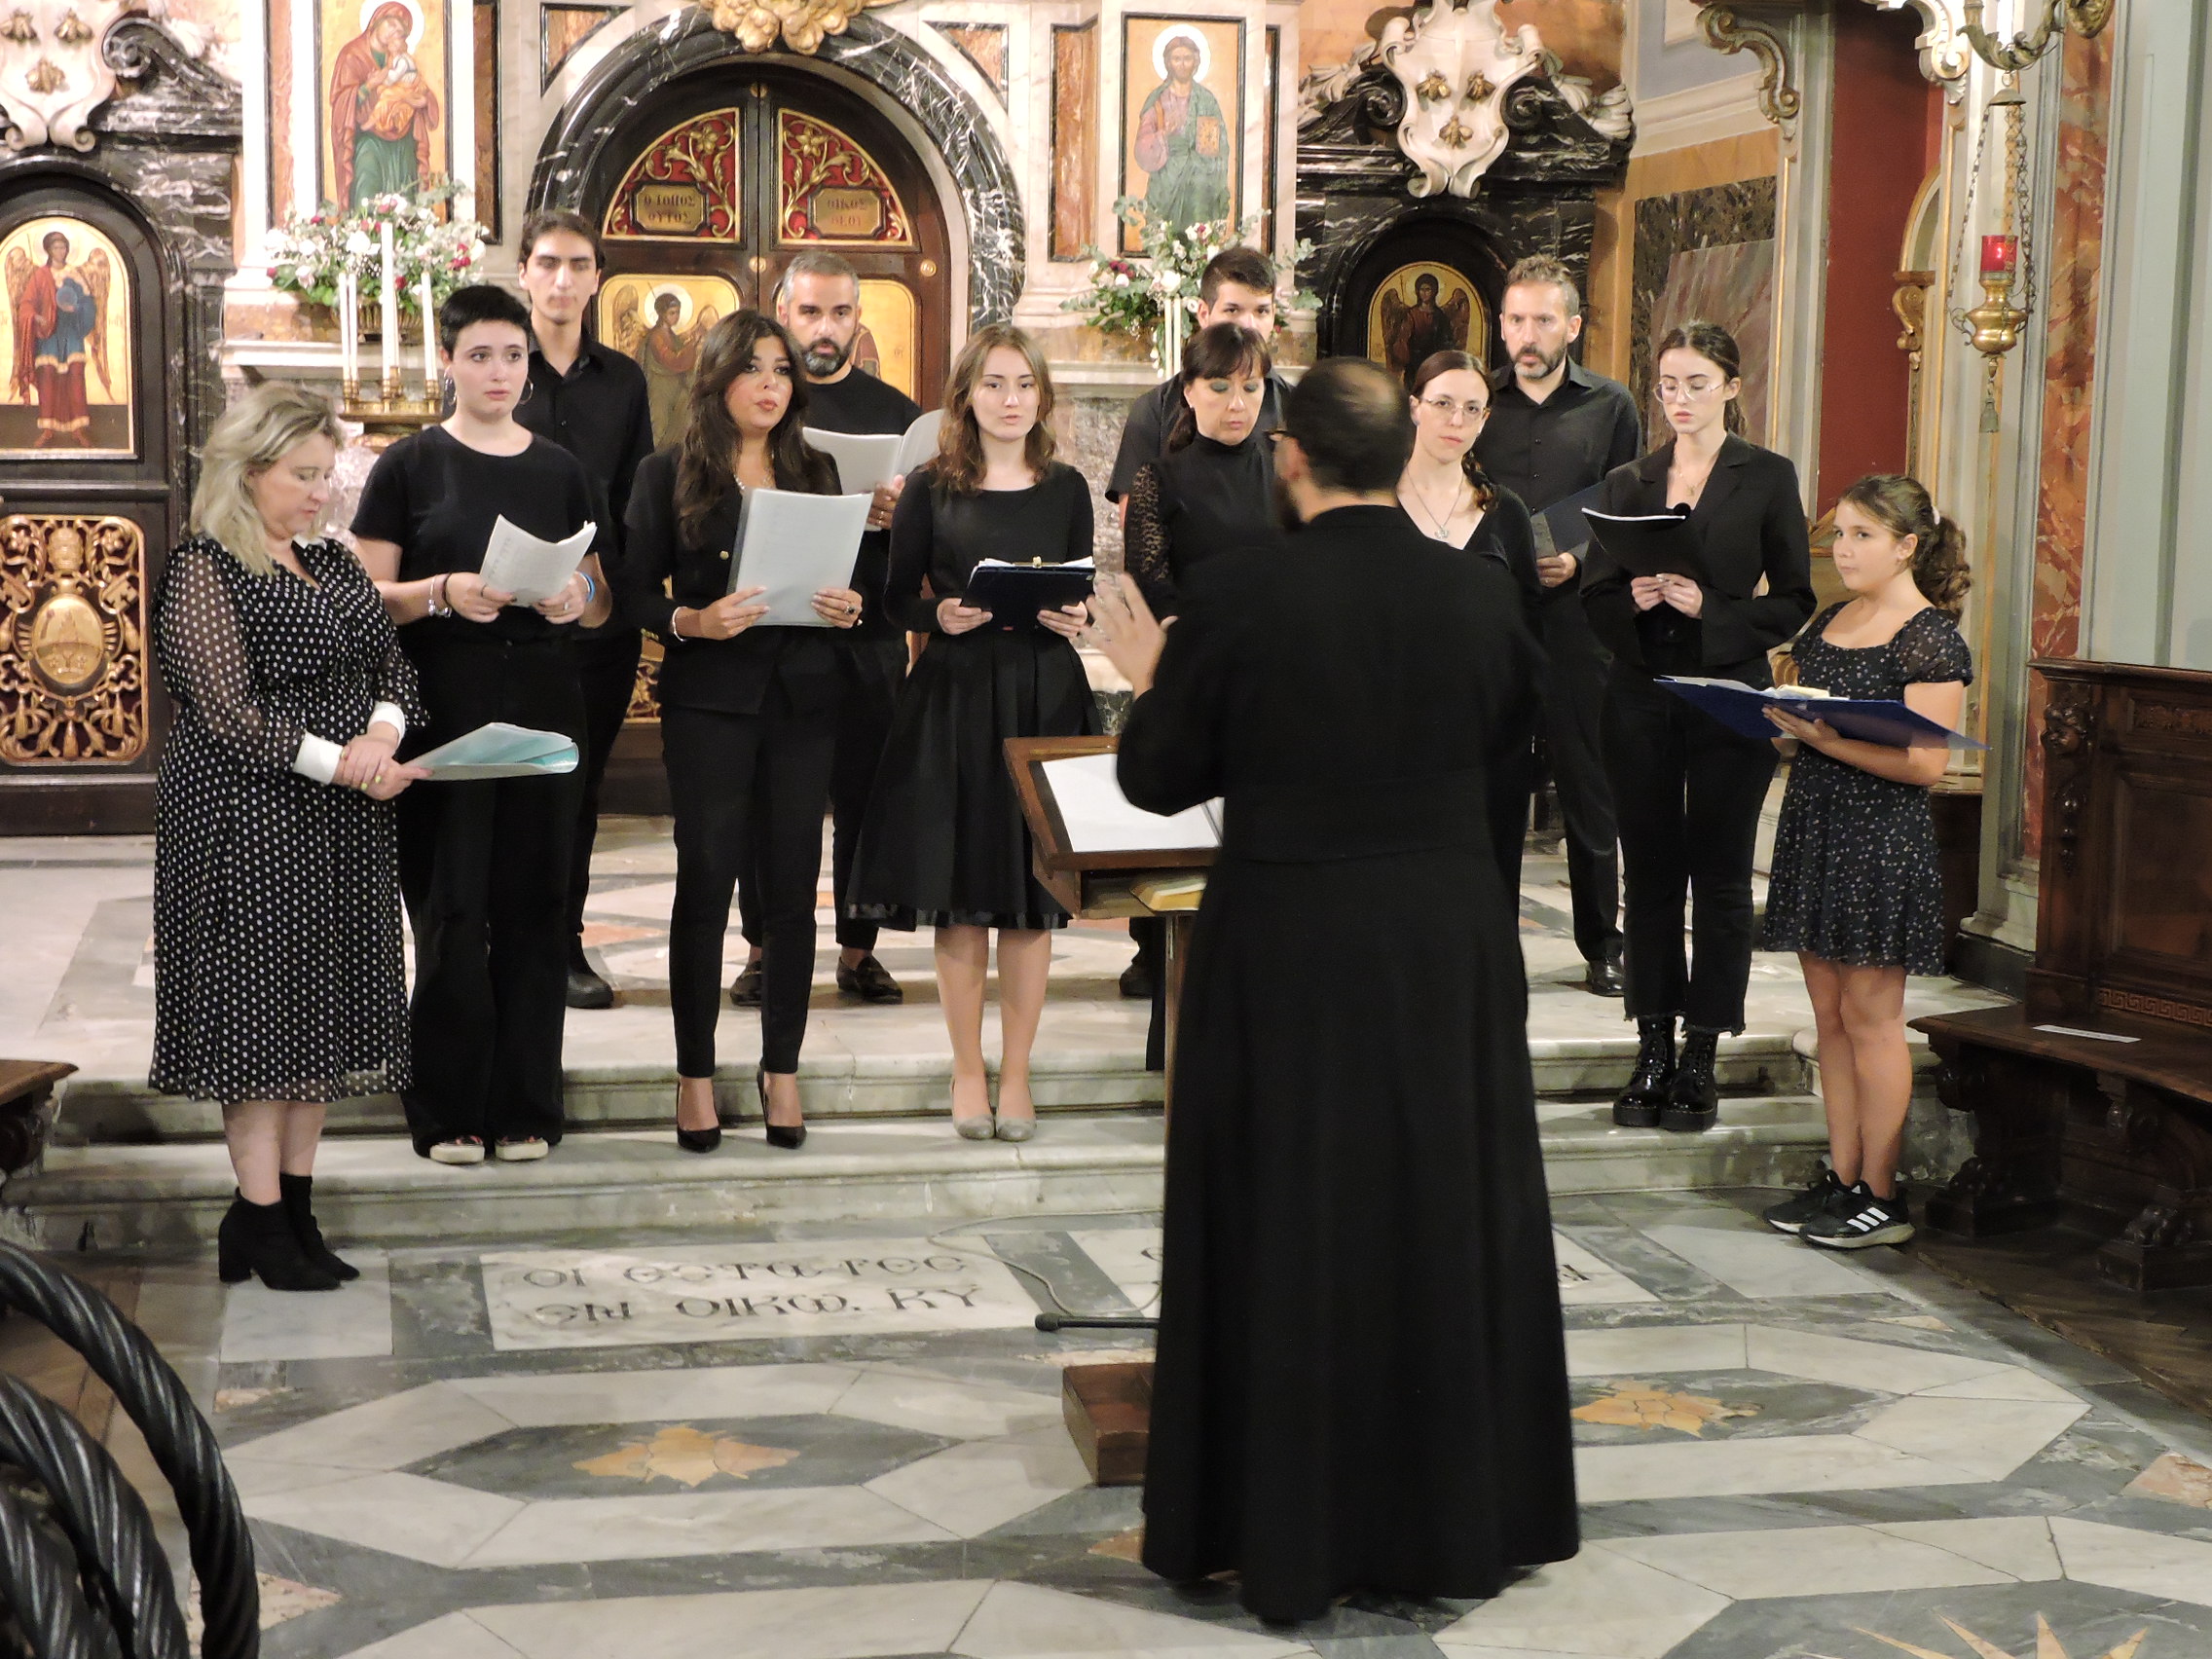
[(485, 865), (278, 981), (748, 709)]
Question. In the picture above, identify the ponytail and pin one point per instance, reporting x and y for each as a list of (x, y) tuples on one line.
[(1903, 506)]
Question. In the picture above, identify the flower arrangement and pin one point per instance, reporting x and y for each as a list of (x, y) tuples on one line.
[(1152, 294), (308, 253)]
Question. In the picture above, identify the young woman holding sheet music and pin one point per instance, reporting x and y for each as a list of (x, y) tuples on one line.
[(945, 842), (748, 709), (484, 865), (1688, 791), (1452, 499), (275, 879), (1856, 890)]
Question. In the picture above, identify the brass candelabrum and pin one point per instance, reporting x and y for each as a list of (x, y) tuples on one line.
[(384, 408)]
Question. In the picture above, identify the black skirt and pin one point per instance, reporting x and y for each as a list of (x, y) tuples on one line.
[(943, 842)]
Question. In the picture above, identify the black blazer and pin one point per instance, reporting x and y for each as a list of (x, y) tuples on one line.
[(661, 569), (1750, 524)]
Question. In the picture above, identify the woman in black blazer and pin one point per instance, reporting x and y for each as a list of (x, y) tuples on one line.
[(1688, 791), (749, 712)]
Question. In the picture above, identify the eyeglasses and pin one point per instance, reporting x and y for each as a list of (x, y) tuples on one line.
[(1684, 390), (1444, 408)]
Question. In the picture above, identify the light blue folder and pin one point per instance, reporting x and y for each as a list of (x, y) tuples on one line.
[(499, 751)]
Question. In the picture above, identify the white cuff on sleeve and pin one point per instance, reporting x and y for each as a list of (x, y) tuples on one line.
[(392, 716), (318, 758)]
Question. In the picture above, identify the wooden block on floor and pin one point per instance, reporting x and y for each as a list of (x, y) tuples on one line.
[(1108, 1407)]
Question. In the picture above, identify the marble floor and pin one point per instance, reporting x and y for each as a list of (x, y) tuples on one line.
[(844, 1441)]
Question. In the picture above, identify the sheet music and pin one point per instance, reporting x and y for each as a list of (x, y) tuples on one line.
[(865, 460), (1100, 819), (530, 567), (499, 751), (920, 445), (794, 546)]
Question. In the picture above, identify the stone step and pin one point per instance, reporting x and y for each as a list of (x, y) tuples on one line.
[(848, 1082), (373, 1189)]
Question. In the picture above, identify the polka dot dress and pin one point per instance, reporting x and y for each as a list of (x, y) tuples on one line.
[(1855, 879), (278, 965)]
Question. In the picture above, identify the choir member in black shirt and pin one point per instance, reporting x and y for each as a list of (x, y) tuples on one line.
[(819, 302), (591, 401), (945, 841), (1556, 429), (1213, 490), (484, 865), (1347, 695), (1687, 790), (1450, 500), (749, 711)]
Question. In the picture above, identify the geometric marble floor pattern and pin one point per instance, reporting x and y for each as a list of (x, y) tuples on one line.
[(1778, 1454)]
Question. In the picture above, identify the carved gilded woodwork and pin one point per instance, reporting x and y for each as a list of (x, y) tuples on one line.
[(830, 190), (802, 24), (72, 641), (1727, 30)]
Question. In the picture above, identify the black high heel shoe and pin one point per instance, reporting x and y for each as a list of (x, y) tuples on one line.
[(257, 1241), (700, 1140), (790, 1137)]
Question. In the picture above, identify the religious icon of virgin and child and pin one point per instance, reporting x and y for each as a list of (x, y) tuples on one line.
[(382, 110), (59, 312), (1182, 140)]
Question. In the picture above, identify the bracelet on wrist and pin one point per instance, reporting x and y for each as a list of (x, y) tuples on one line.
[(435, 599), (591, 589)]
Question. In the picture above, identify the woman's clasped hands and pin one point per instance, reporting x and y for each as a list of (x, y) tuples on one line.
[(366, 764), (1680, 592)]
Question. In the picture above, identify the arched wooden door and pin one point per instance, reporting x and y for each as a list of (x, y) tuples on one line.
[(88, 509), (724, 180)]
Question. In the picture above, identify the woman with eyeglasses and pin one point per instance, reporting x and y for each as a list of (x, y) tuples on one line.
[(485, 865), (1213, 487), (1452, 499), (1688, 791)]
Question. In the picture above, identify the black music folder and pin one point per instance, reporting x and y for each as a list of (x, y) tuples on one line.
[(1648, 544), (1014, 594)]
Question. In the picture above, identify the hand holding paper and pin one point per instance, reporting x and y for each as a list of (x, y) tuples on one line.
[(528, 567), (792, 546)]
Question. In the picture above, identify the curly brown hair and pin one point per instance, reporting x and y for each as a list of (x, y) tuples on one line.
[(959, 464), (1903, 506)]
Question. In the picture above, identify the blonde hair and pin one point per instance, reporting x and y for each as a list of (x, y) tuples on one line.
[(253, 434)]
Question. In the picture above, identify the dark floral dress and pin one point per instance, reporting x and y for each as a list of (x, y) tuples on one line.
[(277, 971), (1855, 879)]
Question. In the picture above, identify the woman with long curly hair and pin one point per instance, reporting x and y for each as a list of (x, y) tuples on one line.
[(748, 709), (945, 842)]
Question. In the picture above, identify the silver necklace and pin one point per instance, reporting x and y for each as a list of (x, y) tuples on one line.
[(1441, 533)]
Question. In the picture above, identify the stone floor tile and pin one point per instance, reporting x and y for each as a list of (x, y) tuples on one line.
[(970, 1489), (663, 1396), (1892, 1368), (1667, 1348), (1763, 1265), (1809, 1561), (384, 1434), (1987, 1439), (2017, 1545), (402, 1515), (668, 1525), (2122, 1558), (455, 1636), (870, 1622), (1819, 1462), (1600, 1606), (1026, 1621), (905, 1398), (351, 1322)]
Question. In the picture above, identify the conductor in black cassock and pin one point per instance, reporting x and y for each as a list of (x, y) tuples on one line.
[(1361, 1380)]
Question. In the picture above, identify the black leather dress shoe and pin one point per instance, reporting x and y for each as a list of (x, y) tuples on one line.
[(586, 989), (745, 989), (1136, 978), (869, 980), (1607, 975)]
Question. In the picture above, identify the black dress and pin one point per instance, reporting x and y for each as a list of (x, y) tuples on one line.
[(1195, 502), (1361, 1379), (276, 897), (1855, 879), (944, 843)]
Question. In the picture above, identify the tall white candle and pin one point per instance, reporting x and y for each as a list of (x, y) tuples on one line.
[(390, 308), (348, 320), (430, 340)]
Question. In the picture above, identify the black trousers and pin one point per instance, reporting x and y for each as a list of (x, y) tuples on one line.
[(609, 670), (1570, 720), (749, 792), (1688, 792), (863, 721), (484, 868)]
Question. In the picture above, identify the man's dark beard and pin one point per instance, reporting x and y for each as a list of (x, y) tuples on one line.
[(1550, 360), (1286, 511), (822, 363)]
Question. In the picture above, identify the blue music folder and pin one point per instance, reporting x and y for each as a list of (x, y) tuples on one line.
[(1742, 708)]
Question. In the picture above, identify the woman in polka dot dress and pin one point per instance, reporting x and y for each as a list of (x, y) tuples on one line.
[(1856, 889), (278, 979)]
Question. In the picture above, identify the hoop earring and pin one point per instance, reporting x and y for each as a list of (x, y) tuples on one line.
[(529, 391)]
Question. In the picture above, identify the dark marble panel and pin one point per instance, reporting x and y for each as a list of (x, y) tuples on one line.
[(1720, 215)]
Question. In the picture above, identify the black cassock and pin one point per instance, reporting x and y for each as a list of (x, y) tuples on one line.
[(1362, 1378)]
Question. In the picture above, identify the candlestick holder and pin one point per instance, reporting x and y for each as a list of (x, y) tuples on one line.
[(384, 410)]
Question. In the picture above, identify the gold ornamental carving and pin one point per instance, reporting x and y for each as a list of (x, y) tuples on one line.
[(72, 641), (800, 24)]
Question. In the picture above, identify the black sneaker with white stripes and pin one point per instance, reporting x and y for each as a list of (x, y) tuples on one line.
[(1858, 1220), (1792, 1214)]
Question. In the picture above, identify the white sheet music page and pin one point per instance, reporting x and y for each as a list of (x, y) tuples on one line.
[(1100, 818), (530, 567), (794, 546)]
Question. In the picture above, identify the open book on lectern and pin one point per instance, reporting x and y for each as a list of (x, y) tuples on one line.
[(1100, 819)]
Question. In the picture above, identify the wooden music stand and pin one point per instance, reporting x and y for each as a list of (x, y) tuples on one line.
[(1107, 1406)]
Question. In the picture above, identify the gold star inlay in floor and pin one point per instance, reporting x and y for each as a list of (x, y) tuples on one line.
[(2047, 1644), (1642, 1405), (686, 1456)]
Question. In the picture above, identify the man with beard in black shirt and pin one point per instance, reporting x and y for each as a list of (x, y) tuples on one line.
[(591, 401), (1554, 430), (819, 300)]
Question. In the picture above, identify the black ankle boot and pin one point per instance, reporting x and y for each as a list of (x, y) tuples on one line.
[(1693, 1098), (258, 1239), (298, 1208), (1638, 1105)]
